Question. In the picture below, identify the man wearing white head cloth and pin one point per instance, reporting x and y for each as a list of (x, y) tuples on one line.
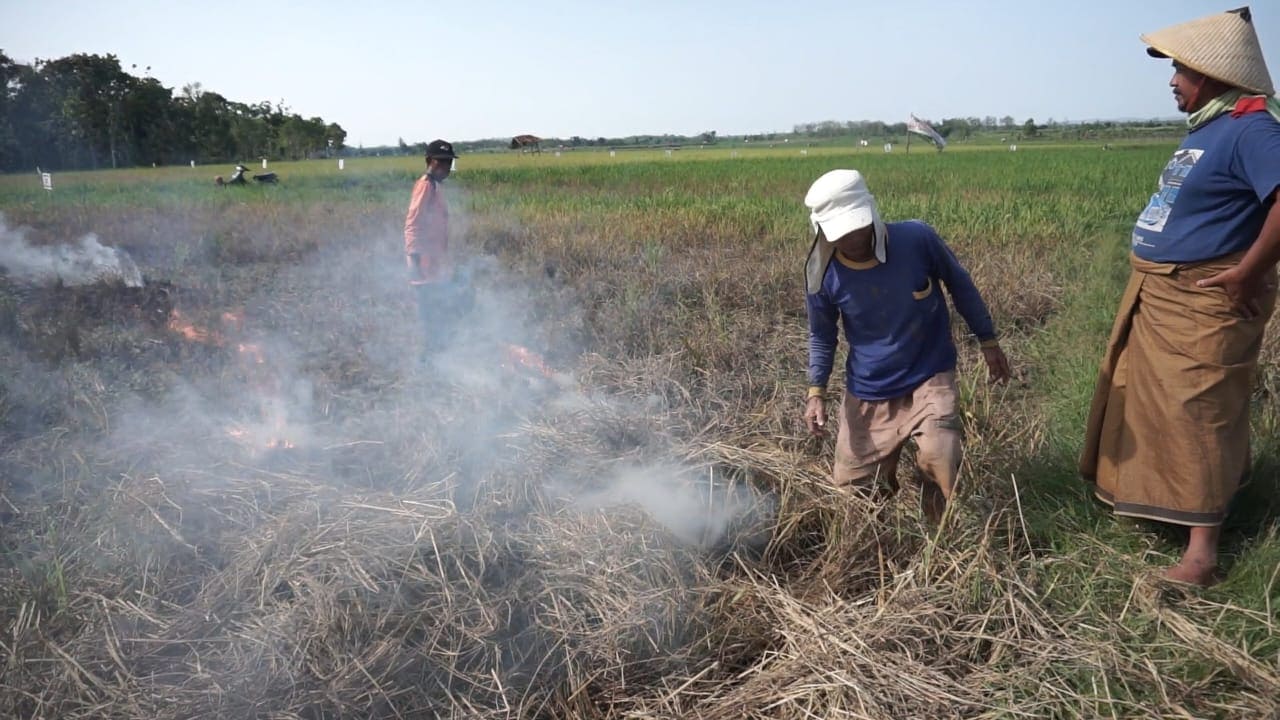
[(883, 282), (1168, 433)]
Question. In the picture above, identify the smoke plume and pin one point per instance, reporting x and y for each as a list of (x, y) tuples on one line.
[(83, 263), (695, 506), (305, 490)]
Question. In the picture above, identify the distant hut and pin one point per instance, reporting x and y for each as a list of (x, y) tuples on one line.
[(523, 143)]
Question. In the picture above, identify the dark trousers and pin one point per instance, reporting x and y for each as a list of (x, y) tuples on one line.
[(430, 307), (441, 307)]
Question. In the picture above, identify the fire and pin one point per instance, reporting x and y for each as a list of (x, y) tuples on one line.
[(250, 437), (272, 433), (251, 351), (179, 324), (233, 321), (518, 356)]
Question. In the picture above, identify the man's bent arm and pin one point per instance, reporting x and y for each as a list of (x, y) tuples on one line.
[(1265, 251), (964, 293)]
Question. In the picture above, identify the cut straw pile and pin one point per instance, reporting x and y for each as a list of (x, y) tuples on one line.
[(661, 547), (273, 589)]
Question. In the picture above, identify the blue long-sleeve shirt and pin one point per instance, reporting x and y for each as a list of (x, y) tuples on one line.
[(894, 315)]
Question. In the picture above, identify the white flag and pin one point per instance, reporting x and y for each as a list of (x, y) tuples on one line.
[(920, 127)]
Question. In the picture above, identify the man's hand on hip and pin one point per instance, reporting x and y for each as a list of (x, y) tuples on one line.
[(1245, 290)]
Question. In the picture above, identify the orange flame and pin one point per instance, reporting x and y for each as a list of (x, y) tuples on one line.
[(252, 351), (245, 436), (233, 321), (524, 357), (179, 324), (262, 377)]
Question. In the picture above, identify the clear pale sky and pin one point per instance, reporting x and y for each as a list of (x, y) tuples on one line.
[(468, 70)]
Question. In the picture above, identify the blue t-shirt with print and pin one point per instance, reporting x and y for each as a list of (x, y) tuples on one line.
[(1213, 193)]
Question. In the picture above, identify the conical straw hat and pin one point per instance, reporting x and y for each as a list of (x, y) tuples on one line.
[(1223, 46)]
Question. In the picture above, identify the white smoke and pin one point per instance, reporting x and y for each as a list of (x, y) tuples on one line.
[(83, 263), (696, 510)]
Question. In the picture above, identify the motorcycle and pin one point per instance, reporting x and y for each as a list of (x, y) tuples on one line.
[(238, 177)]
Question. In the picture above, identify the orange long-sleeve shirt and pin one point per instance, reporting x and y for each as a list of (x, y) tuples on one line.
[(426, 232)]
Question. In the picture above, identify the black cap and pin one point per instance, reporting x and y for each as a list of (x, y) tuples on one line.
[(441, 149)]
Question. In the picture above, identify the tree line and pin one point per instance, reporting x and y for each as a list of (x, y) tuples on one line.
[(85, 111), (963, 128)]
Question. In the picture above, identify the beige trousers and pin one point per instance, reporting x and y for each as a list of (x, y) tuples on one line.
[(873, 432)]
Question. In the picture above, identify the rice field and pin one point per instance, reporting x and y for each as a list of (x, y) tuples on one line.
[(235, 492)]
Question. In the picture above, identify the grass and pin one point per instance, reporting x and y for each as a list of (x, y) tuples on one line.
[(427, 550)]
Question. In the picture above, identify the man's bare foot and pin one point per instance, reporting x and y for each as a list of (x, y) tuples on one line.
[(932, 502), (1194, 572), (1199, 563)]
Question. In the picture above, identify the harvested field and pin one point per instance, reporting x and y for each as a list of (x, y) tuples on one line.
[(235, 492)]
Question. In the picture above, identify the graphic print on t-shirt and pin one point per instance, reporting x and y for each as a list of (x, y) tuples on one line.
[(1156, 214)]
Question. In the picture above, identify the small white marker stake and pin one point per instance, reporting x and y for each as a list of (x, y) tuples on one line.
[(193, 163), (613, 153), (888, 147), (46, 179), (1013, 148), (804, 152), (264, 163), (341, 164)]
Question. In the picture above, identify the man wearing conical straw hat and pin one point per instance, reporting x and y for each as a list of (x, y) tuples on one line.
[(1168, 432)]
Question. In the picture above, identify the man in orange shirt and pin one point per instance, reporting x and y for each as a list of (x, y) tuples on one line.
[(426, 243)]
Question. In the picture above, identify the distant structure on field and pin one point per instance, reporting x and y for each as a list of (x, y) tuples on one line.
[(523, 143)]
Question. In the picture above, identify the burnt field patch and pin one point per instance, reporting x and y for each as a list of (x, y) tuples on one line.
[(234, 491)]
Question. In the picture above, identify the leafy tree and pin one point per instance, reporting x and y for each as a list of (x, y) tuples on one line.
[(89, 92), (336, 136), (10, 81), (85, 110), (150, 124)]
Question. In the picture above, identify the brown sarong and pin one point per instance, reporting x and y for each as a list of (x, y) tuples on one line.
[(1168, 431)]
